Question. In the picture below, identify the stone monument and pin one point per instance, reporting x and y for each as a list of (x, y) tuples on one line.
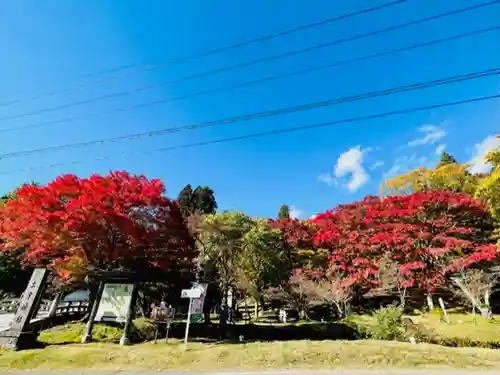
[(20, 335)]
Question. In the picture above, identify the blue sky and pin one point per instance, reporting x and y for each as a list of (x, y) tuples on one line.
[(52, 45)]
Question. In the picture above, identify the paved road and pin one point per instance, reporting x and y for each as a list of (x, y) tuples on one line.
[(295, 372)]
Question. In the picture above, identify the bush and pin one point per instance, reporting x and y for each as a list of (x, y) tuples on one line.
[(463, 342), (388, 324)]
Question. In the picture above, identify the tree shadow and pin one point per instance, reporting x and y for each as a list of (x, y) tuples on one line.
[(255, 332)]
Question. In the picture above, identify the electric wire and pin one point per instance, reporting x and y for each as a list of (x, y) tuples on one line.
[(252, 62), (142, 67), (267, 133), (254, 82), (258, 115)]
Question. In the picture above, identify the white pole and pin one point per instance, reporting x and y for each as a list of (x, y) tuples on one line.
[(187, 324)]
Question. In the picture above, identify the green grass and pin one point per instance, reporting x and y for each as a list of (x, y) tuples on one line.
[(460, 325), (105, 354), (250, 356), (72, 333), (463, 326)]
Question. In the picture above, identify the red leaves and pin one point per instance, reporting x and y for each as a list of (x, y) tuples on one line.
[(118, 220), (428, 234), (296, 233)]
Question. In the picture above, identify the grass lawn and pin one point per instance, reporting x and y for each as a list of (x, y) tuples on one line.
[(250, 356), (304, 354), (461, 325)]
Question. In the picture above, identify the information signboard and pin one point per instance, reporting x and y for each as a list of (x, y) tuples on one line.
[(114, 303)]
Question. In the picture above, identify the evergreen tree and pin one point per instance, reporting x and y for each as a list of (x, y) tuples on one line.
[(284, 212), (200, 200), (186, 200), (446, 159), (204, 200)]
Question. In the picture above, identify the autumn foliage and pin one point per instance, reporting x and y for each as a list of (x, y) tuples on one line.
[(430, 235), (76, 225)]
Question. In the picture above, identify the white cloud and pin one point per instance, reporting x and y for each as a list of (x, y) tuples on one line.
[(350, 163), (432, 134), (327, 178), (295, 213), (396, 167), (377, 164), (440, 148), (403, 164), (478, 164)]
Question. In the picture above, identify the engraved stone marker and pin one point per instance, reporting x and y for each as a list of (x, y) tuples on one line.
[(19, 336)]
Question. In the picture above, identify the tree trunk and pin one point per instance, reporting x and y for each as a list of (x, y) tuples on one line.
[(485, 312), (402, 299), (430, 302), (339, 309)]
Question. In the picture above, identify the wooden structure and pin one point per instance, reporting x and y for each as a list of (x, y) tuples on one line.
[(76, 307), (162, 315), (108, 277)]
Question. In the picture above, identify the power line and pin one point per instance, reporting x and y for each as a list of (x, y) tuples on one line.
[(254, 82), (267, 133), (141, 67), (253, 116), (250, 63)]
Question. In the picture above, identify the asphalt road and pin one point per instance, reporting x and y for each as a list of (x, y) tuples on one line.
[(287, 372)]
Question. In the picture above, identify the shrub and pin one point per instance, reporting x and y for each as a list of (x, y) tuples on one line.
[(388, 324)]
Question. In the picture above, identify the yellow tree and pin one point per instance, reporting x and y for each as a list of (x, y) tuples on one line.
[(489, 188), (452, 177)]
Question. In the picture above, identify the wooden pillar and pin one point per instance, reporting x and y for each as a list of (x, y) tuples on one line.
[(87, 332), (55, 303), (125, 339)]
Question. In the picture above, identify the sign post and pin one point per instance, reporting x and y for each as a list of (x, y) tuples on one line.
[(191, 294), (163, 315), (170, 319), (197, 306)]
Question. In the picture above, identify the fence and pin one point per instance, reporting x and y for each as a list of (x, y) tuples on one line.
[(77, 307)]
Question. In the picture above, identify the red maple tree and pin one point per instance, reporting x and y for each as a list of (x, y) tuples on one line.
[(297, 233), (429, 234), (117, 221)]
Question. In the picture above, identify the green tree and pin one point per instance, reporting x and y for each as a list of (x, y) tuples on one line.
[(489, 188), (200, 200), (204, 200), (263, 263), (452, 177), (284, 212), (446, 158), (185, 199), (13, 276), (220, 241)]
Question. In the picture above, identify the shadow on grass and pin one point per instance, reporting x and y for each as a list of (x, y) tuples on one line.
[(254, 332)]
